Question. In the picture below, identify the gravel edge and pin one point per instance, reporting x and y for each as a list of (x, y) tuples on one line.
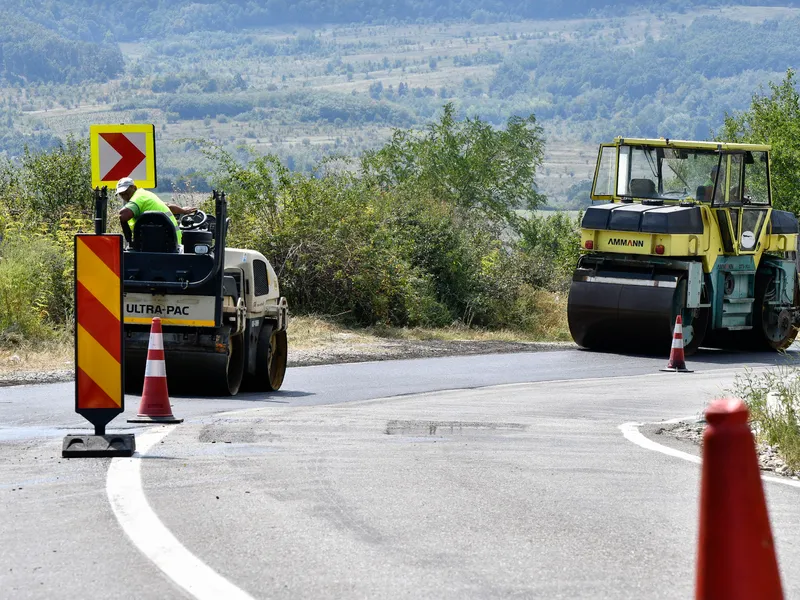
[(692, 431), (343, 352)]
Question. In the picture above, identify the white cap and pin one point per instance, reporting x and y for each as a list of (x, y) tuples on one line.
[(123, 184)]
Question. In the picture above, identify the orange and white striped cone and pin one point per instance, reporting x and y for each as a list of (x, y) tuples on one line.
[(154, 407), (677, 362), (736, 551)]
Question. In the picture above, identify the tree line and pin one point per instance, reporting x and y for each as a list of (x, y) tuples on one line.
[(91, 20)]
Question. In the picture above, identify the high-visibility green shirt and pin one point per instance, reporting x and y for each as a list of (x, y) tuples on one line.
[(143, 201)]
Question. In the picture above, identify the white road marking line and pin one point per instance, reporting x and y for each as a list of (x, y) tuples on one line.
[(150, 535), (632, 434)]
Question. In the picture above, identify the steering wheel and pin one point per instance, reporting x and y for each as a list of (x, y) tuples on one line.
[(194, 220)]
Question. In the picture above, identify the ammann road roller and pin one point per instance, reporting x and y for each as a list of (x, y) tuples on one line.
[(684, 228)]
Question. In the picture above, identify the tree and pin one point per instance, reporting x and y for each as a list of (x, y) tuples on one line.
[(238, 82), (466, 163), (44, 187), (774, 119), (375, 90)]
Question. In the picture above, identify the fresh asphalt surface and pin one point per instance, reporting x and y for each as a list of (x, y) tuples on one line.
[(500, 475)]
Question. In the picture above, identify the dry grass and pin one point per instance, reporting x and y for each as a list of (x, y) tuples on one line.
[(550, 320), (307, 332), (52, 355)]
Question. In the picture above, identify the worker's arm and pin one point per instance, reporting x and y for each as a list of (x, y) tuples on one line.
[(179, 210)]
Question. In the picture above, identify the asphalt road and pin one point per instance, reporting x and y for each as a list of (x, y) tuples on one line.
[(481, 476)]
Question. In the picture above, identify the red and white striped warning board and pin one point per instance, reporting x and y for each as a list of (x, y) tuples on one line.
[(123, 151), (98, 325)]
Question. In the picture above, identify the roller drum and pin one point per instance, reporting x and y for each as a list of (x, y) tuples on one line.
[(190, 369), (623, 311)]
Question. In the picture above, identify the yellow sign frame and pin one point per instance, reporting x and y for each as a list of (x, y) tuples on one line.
[(149, 131)]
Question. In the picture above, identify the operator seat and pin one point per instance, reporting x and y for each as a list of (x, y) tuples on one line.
[(154, 232), (642, 188)]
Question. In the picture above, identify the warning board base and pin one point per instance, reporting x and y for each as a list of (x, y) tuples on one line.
[(120, 444)]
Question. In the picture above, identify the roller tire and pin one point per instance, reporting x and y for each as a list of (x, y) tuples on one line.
[(228, 380), (271, 357), (647, 333)]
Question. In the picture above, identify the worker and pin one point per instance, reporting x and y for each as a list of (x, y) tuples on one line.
[(709, 184), (138, 201)]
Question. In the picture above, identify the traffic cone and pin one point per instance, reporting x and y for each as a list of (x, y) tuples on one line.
[(154, 407), (736, 553), (677, 362)]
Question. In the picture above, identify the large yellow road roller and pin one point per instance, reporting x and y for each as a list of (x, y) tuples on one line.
[(684, 228)]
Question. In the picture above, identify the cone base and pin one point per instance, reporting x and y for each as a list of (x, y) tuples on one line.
[(146, 419), (676, 370)]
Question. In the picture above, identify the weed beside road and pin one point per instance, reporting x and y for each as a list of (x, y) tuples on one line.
[(773, 398)]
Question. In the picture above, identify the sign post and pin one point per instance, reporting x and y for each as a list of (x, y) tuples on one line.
[(100, 210), (123, 151), (99, 374)]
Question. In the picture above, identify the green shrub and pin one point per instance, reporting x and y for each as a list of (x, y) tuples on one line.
[(551, 244), (35, 295), (44, 200), (425, 234)]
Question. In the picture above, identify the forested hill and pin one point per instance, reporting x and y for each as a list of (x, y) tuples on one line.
[(71, 41), (91, 20), (30, 52)]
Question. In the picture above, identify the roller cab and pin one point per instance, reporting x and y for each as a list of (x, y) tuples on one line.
[(684, 228)]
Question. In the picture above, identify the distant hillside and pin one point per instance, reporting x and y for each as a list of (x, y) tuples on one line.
[(306, 94), (71, 41), (676, 86), (131, 19), (29, 52)]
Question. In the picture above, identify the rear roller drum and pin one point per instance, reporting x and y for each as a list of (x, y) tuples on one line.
[(773, 327), (271, 356), (224, 377)]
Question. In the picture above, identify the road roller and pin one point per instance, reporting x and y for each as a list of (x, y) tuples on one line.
[(223, 318), (684, 228)]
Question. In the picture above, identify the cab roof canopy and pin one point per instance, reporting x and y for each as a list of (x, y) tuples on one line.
[(687, 144)]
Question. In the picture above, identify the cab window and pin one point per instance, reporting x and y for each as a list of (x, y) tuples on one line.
[(756, 180), (606, 172)]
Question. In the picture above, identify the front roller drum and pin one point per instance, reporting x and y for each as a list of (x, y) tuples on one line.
[(631, 314), (192, 370)]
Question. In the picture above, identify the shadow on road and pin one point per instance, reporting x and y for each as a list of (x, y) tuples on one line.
[(280, 397), (714, 356)]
